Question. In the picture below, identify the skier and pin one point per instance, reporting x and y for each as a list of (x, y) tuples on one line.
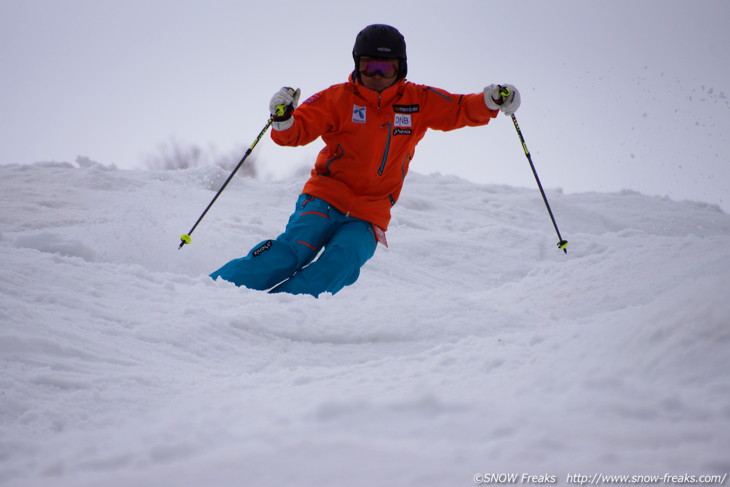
[(370, 126)]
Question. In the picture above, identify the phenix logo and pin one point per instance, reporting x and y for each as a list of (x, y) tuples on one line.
[(359, 114), (263, 248)]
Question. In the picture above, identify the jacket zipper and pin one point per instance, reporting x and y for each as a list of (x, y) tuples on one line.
[(387, 149)]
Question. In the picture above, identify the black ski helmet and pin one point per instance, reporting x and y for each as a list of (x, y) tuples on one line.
[(380, 41)]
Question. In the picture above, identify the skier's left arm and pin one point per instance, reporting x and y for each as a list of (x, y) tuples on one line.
[(448, 111)]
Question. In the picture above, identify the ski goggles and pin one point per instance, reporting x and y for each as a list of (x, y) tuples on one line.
[(387, 68)]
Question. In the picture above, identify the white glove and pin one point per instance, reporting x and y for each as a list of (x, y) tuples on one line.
[(282, 106), (502, 97)]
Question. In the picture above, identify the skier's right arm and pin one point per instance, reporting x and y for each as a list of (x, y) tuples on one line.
[(298, 126)]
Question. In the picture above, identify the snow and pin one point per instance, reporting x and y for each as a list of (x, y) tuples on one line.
[(471, 345)]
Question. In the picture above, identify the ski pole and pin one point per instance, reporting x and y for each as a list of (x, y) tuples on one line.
[(185, 238), (281, 110), (562, 244)]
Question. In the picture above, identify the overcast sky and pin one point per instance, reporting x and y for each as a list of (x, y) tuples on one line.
[(616, 95)]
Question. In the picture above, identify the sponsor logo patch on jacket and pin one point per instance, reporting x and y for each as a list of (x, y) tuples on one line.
[(406, 108), (402, 120), (359, 114), (402, 124)]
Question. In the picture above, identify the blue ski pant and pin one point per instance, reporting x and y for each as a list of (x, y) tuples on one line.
[(287, 264)]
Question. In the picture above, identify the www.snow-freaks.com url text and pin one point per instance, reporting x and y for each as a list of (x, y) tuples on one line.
[(600, 479)]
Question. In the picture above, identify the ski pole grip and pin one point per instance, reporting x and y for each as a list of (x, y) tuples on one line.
[(280, 110), (284, 111), (504, 93)]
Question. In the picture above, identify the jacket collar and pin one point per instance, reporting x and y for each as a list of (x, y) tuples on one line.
[(387, 97)]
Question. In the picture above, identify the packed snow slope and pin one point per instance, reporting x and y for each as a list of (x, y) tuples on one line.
[(471, 345)]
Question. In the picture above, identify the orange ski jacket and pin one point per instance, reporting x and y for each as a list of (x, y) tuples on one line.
[(370, 139)]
